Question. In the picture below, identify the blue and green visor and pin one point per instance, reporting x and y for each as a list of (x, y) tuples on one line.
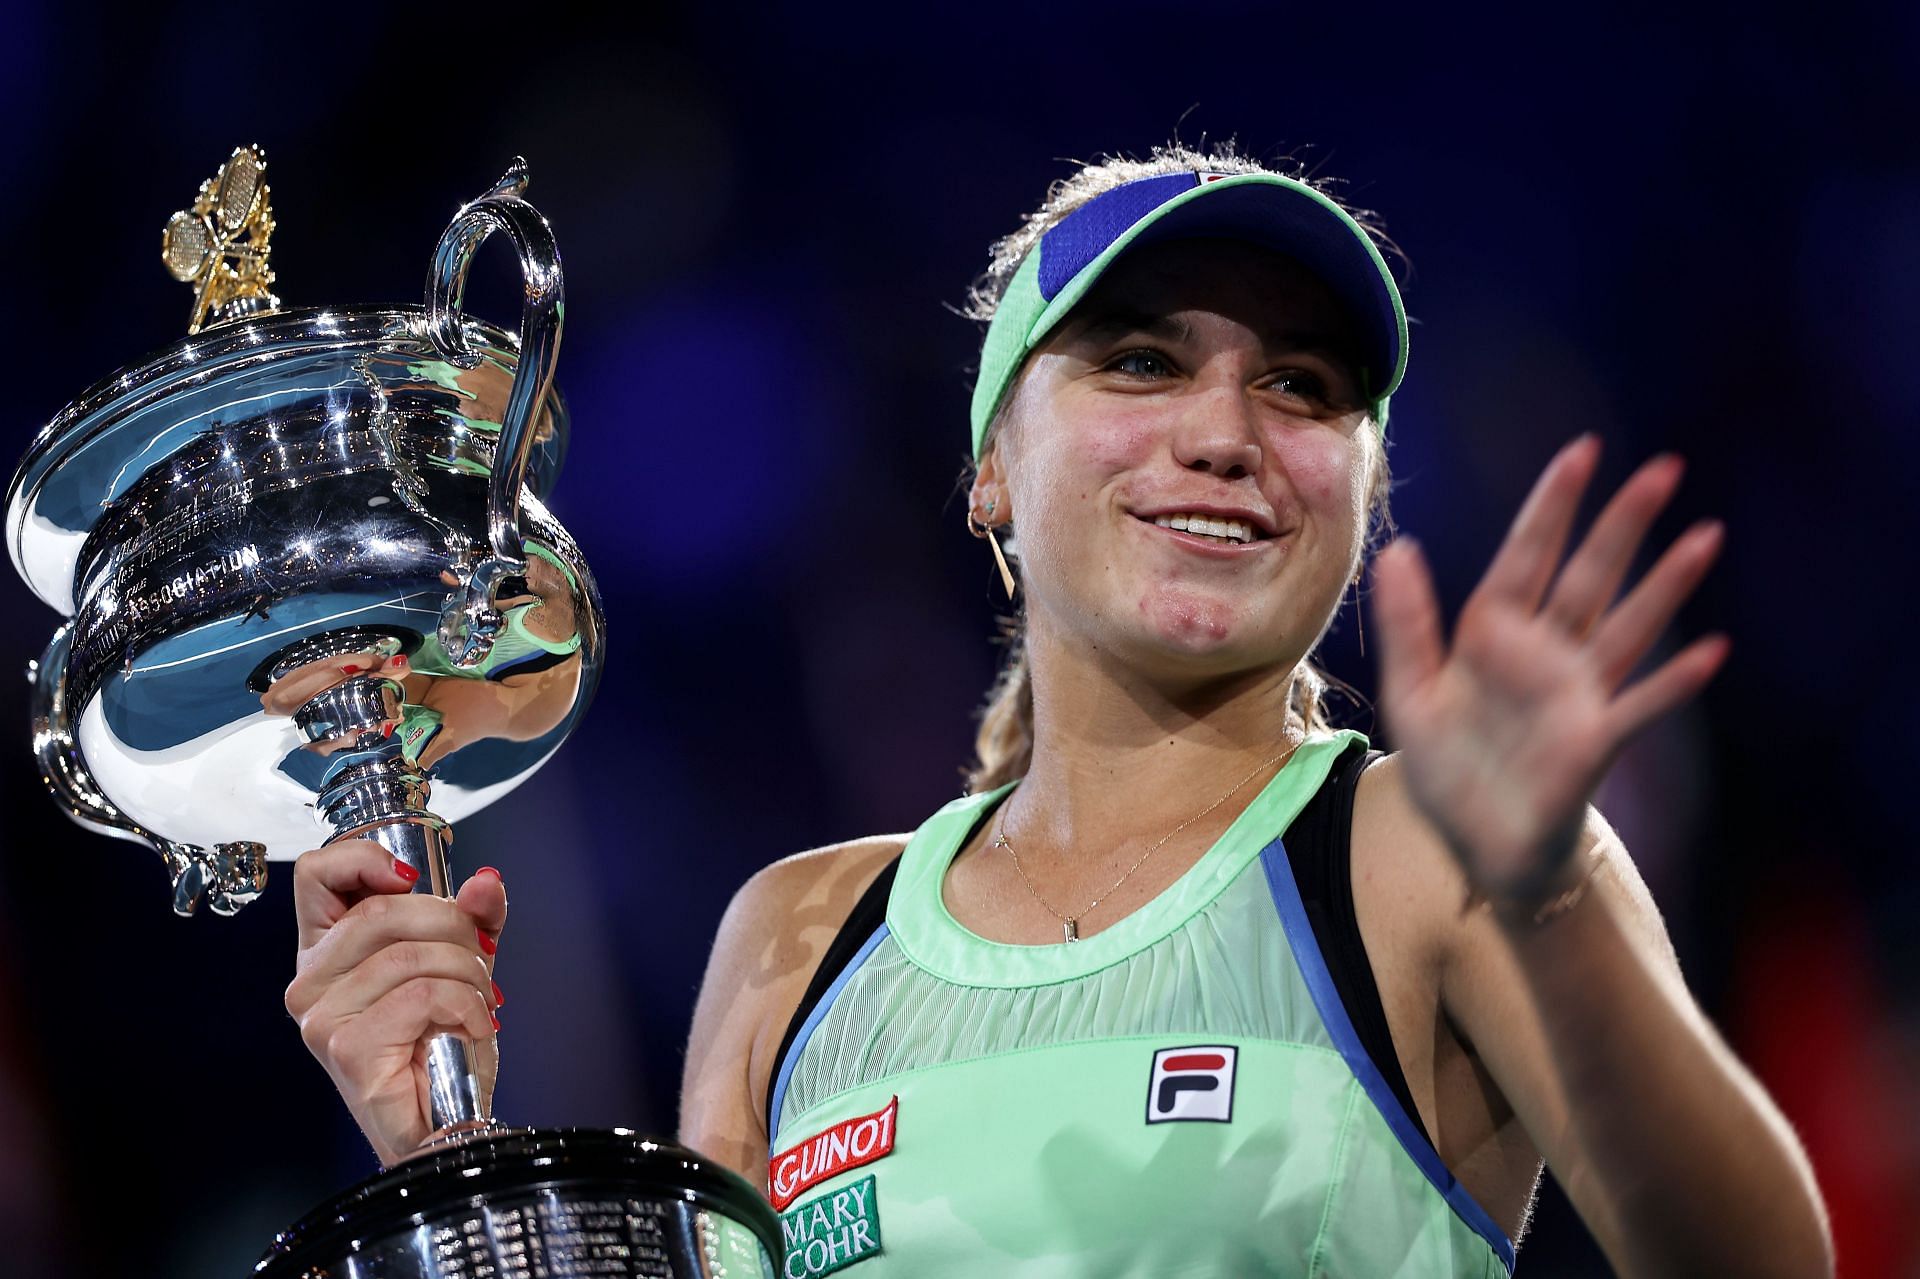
[(1266, 209)]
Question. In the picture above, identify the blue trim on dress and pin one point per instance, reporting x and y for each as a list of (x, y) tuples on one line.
[(807, 1028), (1313, 967)]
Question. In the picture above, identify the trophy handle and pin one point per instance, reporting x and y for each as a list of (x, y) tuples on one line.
[(227, 876), (469, 625)]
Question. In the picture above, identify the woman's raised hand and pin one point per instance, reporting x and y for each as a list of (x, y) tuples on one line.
[(381, 969), (1505, 734)]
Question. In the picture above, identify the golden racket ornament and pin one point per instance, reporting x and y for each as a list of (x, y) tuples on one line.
[(220, 244)]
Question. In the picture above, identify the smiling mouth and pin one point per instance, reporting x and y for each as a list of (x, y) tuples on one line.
[(1227, 532)]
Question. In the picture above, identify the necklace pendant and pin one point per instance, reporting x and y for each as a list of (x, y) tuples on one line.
[(1072, 929)]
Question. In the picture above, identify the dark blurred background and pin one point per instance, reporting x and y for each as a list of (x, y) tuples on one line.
[(1691, 231)]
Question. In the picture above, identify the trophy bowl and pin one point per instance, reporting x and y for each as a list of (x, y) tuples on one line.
[(314, 593)]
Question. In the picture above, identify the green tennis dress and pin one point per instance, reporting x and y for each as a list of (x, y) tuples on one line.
[(1182, 1093)]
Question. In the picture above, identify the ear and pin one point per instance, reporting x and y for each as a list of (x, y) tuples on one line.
[(988, 499)]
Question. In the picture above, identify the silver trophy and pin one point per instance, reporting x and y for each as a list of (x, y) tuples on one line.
[(314, 594)]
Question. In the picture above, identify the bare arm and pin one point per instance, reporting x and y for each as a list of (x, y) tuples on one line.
[(772, 938), (1673, 1154)]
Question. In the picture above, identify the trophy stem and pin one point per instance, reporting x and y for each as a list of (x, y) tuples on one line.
[(373, 789), (453, 1076)]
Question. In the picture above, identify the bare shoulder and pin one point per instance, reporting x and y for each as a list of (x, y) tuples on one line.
[(771, 939), (834, 874), (1403, 875)]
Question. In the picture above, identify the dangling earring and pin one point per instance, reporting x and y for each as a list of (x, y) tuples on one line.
[(1359, 613), (980, 528)]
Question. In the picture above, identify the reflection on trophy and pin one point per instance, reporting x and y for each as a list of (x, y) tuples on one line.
[(314, 594)]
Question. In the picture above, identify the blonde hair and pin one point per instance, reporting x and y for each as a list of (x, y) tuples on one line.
[(1003, 745)]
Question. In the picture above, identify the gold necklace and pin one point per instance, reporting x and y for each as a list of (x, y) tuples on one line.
[(1070, 924)]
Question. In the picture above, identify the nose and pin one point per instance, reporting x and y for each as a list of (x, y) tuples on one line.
[(1217, 434)]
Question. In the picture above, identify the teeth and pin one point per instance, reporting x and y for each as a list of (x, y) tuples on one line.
[(1228, 530)]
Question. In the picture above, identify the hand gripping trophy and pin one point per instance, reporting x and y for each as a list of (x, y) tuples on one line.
[(314, 592)]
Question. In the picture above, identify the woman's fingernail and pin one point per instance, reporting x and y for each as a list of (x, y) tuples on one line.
[(349, 670), (405, 871), (487, 944), (488, 870), (499, 1000), (495, 1020)]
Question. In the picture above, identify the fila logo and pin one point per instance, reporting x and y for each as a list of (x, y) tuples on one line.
[(848, 1144), (1191, 1084)]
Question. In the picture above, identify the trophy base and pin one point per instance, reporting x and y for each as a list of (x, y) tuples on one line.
[(531, 1203)]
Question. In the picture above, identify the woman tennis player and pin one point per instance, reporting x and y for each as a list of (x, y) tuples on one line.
[(1192, 982)]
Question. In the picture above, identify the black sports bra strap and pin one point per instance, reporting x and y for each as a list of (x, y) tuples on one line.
[(868, 914), (1320, 849)]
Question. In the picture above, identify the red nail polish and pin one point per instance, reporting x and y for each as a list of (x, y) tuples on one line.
[(488, 870), (405, 871), (349, 670), (499, 1000), (386, 729), (495, 1020), (487, 944)]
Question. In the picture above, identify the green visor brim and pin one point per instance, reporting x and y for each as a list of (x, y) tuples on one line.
[(1267, 209)]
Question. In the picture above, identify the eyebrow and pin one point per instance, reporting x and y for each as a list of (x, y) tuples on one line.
[(1331, 345), (1118, 322)]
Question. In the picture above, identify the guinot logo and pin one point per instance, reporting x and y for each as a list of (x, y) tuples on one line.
[(848, 1144)]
